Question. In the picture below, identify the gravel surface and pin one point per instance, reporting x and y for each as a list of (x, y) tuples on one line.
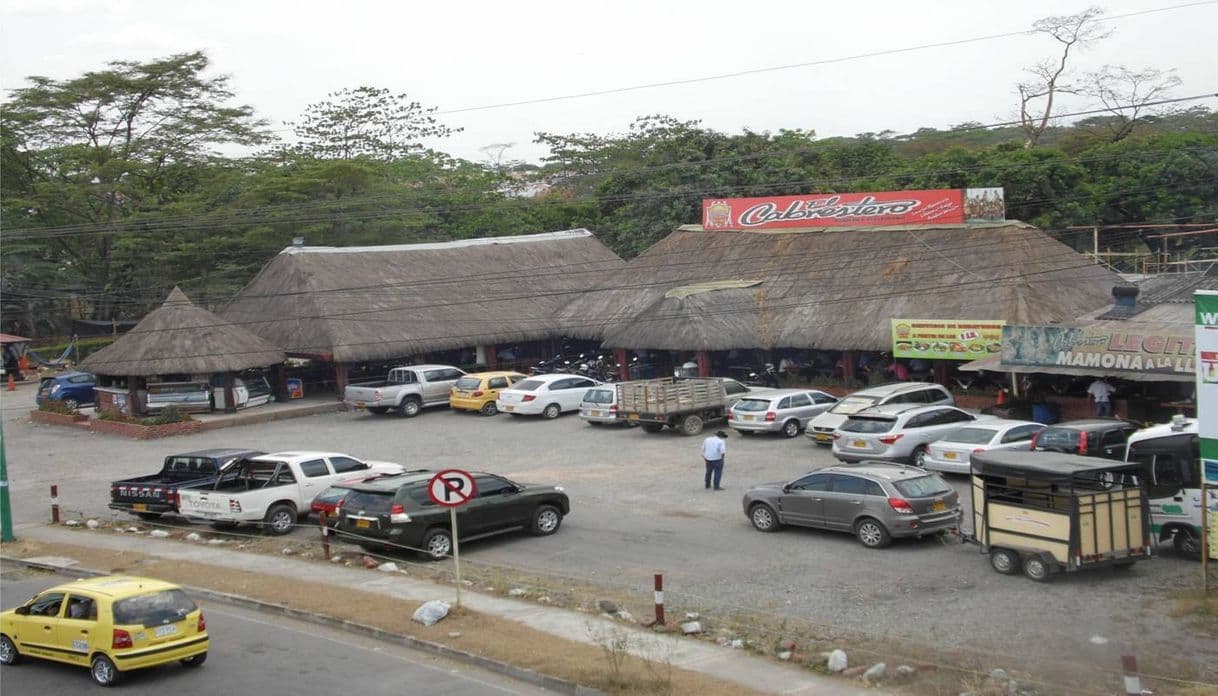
[(638, 507)]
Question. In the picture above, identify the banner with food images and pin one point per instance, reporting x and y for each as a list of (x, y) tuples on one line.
[(1107, 347), (946, 339)]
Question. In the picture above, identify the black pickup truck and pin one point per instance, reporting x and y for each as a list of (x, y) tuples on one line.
[(149, 497)]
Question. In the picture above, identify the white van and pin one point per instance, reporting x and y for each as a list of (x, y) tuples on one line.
[(1173, 453)]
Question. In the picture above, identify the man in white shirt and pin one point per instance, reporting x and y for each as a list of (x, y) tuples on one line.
[(714, 449), (1101, 392)]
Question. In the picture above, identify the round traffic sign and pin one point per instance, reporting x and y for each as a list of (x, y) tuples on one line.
[(452, 488)]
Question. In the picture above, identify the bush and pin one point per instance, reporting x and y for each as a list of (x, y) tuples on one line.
[(169, 415), (55, 406)]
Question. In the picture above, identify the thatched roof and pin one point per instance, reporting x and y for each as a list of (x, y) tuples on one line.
[(371, 303), (834, 288), (181, 338)]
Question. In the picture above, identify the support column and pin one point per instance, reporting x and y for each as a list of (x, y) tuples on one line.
[(279, 383), (480, 355), (133, 396), (230, 396), (849, 361), (340, 378), (938, 369), (491, 358), (704, 368), (623, 366)]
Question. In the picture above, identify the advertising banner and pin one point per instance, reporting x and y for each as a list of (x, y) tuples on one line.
[(941, 206), (946, 339), (1112, 349), (1207, 381)]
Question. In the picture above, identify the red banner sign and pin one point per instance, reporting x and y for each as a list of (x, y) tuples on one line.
[(943, 206)]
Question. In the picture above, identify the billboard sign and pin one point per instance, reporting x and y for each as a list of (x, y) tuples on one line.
[(940, 206), (1101, 347), (1207, 381), (946, 339)]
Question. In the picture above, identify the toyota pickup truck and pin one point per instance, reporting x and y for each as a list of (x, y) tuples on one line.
[(149, 497), (406, 391), (274, 489)]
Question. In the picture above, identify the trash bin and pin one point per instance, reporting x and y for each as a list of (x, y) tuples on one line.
[(1047, 413)]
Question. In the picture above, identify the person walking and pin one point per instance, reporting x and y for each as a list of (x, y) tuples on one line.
[(1101, 392), (714, 450)]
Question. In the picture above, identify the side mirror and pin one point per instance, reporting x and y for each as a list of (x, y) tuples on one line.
[(22, 611), (786, 488)]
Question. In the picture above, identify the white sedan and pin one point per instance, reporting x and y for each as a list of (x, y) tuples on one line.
[(547, 395), (954, 451)]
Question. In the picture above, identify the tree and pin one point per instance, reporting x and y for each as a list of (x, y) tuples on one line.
[(1128, 95), (366, 122), (1048, 78), (88, 155)]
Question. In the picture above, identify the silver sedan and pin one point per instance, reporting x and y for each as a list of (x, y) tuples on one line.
[(952, 453)]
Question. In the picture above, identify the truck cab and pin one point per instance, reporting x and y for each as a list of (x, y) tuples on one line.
[(1171, 456)]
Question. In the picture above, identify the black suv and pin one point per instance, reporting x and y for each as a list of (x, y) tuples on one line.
[(1091, 437), (396, 512)]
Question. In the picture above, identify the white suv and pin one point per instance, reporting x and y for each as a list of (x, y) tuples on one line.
[(820, 429), (896, 432)]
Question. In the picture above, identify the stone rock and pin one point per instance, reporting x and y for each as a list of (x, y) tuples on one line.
[(517, 592), (336, 559), (998, 674), (876, 672), (135, 530), (837, 661), (905, 671), (692, 616), (72, 523), (388, 567), (1012, 687), (784, 655), (454, 634), (737, 644), (92, 524), (607, 606), (431, 612), (370, 562), (119, 530), (722, 640), (690, 628), (158, 533), (469, 583), (788, 645), (288, 551), (545, 599), (625, 615), (193, 536), (854, 671), (216, 542)]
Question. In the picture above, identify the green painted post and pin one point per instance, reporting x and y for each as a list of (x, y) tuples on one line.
[(6, 511)]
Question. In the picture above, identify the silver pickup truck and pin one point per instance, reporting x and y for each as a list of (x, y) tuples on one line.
[(407, 390)]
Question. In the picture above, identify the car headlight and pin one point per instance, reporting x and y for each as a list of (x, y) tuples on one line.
[(560, 489), (55, 389)]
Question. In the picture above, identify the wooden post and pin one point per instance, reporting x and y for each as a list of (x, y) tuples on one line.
[(279, 384), (340, 378), (325, 535), (939, 370), (659, 596), (230, 395), (848, 362), (492, 358), (623, 366), (703, 364), (133, 396)]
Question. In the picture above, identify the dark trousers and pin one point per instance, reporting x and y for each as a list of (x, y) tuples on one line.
[(1103, 408), (714, 469)]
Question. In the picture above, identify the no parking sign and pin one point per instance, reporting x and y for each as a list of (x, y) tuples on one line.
[(453, 488)]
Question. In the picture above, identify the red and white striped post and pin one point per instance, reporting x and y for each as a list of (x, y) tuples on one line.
[(1133, 683), (659, 599), (54, 504), (325, 534)]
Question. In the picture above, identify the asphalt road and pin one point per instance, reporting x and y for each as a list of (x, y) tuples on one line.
[(256, 653), (639, 508)]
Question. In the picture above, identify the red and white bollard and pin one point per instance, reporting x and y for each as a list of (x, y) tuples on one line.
[(1133, 683), (325, 534), (54, 504), (659, 599)]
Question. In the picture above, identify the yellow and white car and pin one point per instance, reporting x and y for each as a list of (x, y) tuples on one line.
[(479, 390), (110, 624)]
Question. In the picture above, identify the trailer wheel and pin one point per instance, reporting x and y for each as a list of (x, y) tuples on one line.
[(691, 424), (1004, 561), (1035, 567), (1186, 543), (653, 427)]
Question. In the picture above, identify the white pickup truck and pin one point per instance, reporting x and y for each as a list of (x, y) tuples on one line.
[(407, 390), (274, 489)]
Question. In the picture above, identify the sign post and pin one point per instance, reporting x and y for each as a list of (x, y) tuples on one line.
[(453, 488), (1207, 419)]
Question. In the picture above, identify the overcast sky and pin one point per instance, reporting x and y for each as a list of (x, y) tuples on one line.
[(454, 55)]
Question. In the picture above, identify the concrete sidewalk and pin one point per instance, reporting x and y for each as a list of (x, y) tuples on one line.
[(719, 662)]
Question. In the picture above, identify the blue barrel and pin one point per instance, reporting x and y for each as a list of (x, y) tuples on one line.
[(1046, 413)]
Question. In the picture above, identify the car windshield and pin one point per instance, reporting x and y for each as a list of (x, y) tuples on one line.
[(153, 609), (367, 501), (599, 396), (853, 404), (468, 383), (868, 425), (527, 385), (970, 436), (752, 404), (1058, 437), (923, 486)]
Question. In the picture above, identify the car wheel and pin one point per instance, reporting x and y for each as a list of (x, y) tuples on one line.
[(71, 403), (103, 671), (489, 409), (871, 533), (546, 520), (409, 408), (691, 425), (1004, 561), (1035, 567), (552, 411), (764, 518), (194, 660), (9, 655), (790, 428), (1186, 543), (280, 519), (378, 410), (437, 544), (653, 427), (148, 515), (918, 458)]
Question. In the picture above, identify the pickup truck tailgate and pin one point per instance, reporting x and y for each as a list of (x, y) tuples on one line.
[(363, 395), (207, 504)]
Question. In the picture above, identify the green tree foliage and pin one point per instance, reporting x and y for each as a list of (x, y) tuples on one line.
[(366, 122)]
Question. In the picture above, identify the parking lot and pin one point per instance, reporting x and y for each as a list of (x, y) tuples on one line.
[(639, 507)]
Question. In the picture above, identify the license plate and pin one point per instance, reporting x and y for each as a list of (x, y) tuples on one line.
[(949, 455), (363, 524), (938, 506), (861, 444), (822, 437), (166, 630), (359, 404), (461, 394), (509, 408), (750, 418), (139, 507), (633, 416)]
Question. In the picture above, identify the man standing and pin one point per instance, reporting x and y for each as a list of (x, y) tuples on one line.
[(1101, 392), (714, 449)]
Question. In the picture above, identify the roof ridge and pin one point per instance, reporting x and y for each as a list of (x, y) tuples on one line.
[(577, 233)]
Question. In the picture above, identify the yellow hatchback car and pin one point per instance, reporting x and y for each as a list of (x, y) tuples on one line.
[(479, 390), (111, 625)]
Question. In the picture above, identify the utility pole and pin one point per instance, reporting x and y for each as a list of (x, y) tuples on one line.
[(6, 510)]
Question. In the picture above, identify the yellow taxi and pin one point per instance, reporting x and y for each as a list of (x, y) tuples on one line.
[(111, 625), (479, 390)]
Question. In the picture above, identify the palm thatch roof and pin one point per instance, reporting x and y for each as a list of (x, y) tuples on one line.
[(181, 338), (353, 304), (833, 288)]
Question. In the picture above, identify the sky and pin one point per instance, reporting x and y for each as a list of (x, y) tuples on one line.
[(456, 56)]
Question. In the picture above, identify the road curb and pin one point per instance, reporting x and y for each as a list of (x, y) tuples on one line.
[(519, 673)]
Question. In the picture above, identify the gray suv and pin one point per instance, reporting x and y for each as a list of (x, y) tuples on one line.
[(896, 432), (875, 501)]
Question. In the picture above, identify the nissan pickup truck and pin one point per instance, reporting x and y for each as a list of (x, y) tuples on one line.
[(149, 497), (406, 391), (274, 489)]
